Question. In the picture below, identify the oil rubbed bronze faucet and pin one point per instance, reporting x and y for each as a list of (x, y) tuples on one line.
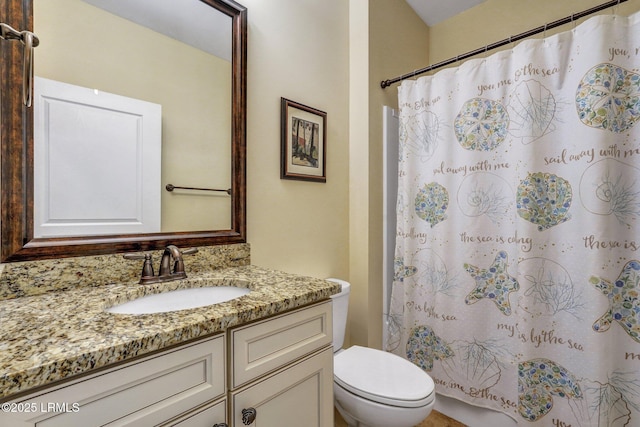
[(171, 253)]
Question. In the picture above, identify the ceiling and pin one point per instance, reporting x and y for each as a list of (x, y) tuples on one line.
[(434, 11)]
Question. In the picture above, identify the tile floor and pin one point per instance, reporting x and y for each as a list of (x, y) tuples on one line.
[(436, 419)]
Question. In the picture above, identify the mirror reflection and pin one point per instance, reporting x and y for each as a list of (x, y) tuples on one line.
[(128, 101)]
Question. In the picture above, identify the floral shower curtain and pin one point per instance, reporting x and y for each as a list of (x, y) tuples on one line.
[(517, 263)]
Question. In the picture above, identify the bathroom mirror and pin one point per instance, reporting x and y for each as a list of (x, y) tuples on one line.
[(213, 121)]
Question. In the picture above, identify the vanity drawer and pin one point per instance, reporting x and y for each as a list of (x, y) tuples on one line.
[(267, 345), (211, 415), (141, 393)]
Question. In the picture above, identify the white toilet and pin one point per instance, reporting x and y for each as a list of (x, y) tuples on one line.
[(373, 388)]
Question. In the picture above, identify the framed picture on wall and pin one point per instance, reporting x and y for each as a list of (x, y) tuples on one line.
[(304, 142)]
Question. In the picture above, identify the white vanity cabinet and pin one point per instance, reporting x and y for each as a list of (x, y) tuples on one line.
[(280, 367)]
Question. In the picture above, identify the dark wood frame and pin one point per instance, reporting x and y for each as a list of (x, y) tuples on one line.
[(16, 151), (285, 131)]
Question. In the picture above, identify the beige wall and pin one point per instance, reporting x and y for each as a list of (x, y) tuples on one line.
[(330, 55), (298, 49), (359, 222), (387, 39)]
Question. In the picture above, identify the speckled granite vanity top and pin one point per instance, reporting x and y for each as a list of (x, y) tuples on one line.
[(45, 337)]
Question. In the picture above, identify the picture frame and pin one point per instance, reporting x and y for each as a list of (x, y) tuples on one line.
[(304, 142)]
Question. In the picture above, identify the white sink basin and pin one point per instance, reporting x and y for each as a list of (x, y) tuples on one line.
[(180, 299)]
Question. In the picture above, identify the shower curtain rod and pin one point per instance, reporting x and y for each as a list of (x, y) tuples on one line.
[(386, 83)]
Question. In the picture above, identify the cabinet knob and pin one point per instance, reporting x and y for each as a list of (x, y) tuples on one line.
[(248, 416), (221, 425)]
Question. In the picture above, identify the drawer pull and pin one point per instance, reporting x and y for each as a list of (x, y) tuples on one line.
[(221, 425), (248, 416)]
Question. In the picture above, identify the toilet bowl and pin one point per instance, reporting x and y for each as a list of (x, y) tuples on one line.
[(373, 388)]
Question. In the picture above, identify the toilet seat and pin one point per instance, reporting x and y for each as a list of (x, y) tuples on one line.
[(382, 377)]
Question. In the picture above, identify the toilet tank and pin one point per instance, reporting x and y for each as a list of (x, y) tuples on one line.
[(340, 310)]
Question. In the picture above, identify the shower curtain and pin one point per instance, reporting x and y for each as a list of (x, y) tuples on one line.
[(517, 262)]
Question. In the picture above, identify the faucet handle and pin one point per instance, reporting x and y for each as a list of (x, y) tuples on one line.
[(147, 267), (178, 266), (135, 256)]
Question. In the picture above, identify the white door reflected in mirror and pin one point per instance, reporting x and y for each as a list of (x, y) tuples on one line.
[(96, 162)]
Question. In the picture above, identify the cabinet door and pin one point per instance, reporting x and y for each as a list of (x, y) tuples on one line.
[(300, 395)]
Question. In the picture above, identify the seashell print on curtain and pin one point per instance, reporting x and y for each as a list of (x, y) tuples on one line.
[(517, 264)]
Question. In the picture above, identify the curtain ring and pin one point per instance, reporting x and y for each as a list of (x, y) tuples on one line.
[(544, 32)]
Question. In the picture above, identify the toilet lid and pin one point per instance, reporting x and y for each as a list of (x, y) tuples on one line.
[(382, 377)]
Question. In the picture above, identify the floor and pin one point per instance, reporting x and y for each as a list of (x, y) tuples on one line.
[(436, 419)]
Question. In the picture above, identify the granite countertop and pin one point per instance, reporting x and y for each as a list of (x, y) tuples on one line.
[(48, 337)]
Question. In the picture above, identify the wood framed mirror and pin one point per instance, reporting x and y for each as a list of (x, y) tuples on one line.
[(18, 241)]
